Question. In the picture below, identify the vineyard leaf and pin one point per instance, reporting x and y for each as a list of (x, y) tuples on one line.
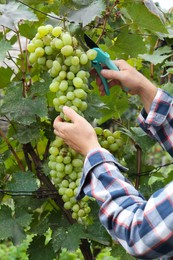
[(25, 134), (158, 56), (4, 47), (42, 87), (12, 13), (100, 234), (5, 76), (25, 30), (87, 14), (23, 110), (168, 87), (73, 236), (131, 47), (23, 181), (39, 250), (9, 228), (23, 218), (117, 104), (146, 19), (41, 226), (6, 222), (68, 238), (142, 139), (58, 238), (154, 179)]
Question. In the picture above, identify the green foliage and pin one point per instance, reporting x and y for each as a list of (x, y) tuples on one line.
[(30, 203)]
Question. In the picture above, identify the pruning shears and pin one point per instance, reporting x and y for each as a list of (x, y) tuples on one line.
[(102, 58)]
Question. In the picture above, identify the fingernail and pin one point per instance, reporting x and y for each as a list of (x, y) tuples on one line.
[(65, 108)]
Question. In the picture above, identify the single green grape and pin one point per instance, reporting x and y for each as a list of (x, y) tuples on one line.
[(66, 38), (48, 50), (67, 50), (69, 192), (42, 30), (58, 43), (83, 59), (31, 47), (67, 205), (32, 57), (39, 51), (70, 95), (75, 60), (77, 82), (56, 31), (63, 86), (91, 54), (54, 86), (80, 93)]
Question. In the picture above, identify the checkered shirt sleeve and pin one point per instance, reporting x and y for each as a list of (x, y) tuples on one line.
[(143, 227), (159, 121)]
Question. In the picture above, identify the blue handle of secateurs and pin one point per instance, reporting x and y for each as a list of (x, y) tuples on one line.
[(103, 58)]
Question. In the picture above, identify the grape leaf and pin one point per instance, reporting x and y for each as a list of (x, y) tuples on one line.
[(144, 19), (12, 13), (5, 76), (25, 30), (131, 47), (68, 238), (141, 138), (9, 227), (87, 14), (4, 47), (23, 181), (23, 110), (158, 56), (25, 134), (73, 236), (23, 218), (6, 222), (39, 250)]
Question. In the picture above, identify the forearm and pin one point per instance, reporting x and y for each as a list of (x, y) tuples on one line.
[(124, 212)]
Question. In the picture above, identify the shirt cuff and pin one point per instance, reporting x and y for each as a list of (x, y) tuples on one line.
[(94, 158), (159, 110)]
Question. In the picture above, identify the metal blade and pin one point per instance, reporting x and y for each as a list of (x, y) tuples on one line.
[(91, 44)]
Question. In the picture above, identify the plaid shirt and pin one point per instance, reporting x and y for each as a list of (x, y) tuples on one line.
[(143, 228)]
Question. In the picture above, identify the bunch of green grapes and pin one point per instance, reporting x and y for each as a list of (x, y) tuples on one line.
[(112, 141), (66, 170), (57, 51)]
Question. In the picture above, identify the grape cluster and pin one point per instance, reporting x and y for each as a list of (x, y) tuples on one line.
[(58, 52), (112, 141), (66, 171)]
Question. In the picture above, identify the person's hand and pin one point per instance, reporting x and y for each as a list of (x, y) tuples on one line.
[(78, 133), (127, 76)]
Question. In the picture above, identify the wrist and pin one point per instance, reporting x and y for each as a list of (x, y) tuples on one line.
[(90, 148), (147, 92)]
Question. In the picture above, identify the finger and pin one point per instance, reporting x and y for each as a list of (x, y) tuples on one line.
[(71, 114), (56, 120), (112, 74)]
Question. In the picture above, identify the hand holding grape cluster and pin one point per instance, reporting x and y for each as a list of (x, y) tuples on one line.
[(57, 51)]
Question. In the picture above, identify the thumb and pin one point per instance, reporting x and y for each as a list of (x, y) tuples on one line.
[(70, 113)]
